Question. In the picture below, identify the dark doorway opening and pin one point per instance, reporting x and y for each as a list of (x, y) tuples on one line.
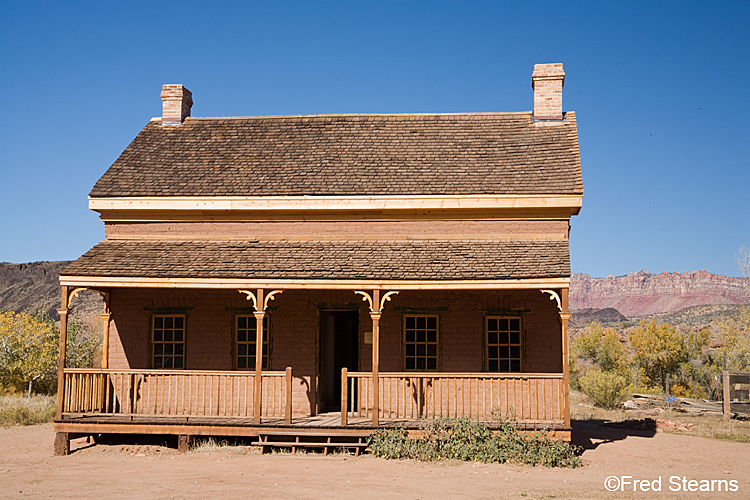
[(339, 348)]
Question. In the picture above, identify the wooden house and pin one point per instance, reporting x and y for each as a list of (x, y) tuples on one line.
[(334, 273)]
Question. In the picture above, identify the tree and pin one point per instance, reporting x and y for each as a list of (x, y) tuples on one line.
[(734, 337), (743, 260), (600, 346), (28, 348), (657, 350)]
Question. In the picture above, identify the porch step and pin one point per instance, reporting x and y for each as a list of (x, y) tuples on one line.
[(299, 439)]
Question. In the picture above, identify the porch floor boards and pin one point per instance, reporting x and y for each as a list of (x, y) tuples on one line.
[(330, 420)]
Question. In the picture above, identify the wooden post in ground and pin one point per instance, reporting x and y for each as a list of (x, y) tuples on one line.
[(62, 444), (183, 443), (257, 394), (564, 318), (727, 404), (344, 397)]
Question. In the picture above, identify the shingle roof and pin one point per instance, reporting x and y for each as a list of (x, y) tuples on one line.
[(432, 154), (381, 260)]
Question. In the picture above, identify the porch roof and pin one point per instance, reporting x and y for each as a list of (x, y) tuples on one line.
[(410, 260)]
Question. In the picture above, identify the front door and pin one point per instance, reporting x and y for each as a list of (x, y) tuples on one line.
[(339, 348)]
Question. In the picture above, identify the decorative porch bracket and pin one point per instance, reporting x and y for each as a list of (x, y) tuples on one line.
[(105, 315), (554, 296), (258, 298), (376, 307)]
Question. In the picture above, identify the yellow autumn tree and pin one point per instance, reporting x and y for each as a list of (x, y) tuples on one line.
[(734, 337), (657, 350), (28, 348)]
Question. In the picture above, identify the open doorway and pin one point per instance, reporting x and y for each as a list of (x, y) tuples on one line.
[(339, 348)]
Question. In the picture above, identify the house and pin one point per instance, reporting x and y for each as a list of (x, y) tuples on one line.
[(330, 272)]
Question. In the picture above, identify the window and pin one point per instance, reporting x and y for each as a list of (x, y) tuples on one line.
[(168, 341), (244, 342), (421, 342), (504, 353)]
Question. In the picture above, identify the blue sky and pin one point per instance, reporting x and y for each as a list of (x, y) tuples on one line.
[(660, 90)]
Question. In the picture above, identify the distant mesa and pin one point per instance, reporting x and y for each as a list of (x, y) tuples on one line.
[(643, 293)]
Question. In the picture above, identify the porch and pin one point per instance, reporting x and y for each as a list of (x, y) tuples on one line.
[(228, 403)]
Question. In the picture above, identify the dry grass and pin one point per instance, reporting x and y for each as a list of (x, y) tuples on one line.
[(20, 410), (212, 445), (709, 425)]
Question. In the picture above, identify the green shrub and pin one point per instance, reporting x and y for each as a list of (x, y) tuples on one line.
[(466, 439), (606, 389)]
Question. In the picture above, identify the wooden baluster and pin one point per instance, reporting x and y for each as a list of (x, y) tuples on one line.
[(344, 394)]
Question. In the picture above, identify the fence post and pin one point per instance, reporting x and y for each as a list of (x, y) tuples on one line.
[(727, 407), (344, 396), (288, 408)]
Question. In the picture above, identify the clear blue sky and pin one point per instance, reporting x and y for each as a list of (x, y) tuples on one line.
[(660, 90)]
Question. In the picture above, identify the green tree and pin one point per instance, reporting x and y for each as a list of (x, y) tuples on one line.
[(657, 350), (28, 348)]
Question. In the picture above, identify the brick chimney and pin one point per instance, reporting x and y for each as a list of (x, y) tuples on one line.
[(176, 102), (547, 82)]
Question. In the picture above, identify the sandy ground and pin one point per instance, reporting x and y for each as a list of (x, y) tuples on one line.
[(28, 470)]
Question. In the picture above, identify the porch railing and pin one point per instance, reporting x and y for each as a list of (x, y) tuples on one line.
[(175, 393), (536, 397)]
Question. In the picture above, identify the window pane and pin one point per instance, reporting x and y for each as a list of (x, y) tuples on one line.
[(432, 364), (158, 322), (242, 322), (515, 324), (242, 362), (421, 364), (432, 337), (178, 336), (169, 322), (158, 349), (492, 337), (410, 336), (503, 352), (242, 349), (502, 338), (515, 365), (410, 322), (158, 336), (178, 349), (178, 362), (421, 322), (492, 352), (493, 365), (492, 324), (178, 322), (410, 364), (168, 349), (167, 335), (410, 349), (157, 362), (241, 336), (504, 324), (515, 352), (432, 350), (503, 365), (515, 338), (432, 322), (421, 336), (421, 350), (167, 362)]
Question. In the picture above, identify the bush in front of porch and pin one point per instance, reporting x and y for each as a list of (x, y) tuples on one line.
[(466, 439)]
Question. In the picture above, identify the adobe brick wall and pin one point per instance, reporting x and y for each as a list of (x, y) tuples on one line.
[(294, 329)]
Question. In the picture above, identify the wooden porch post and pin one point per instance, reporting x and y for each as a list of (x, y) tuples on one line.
[(375, 315), (259, 313), (63, 312), (105, 341), (564, 318)]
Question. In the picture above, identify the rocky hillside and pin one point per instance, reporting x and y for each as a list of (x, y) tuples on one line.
[(33, 285), (644, 294)]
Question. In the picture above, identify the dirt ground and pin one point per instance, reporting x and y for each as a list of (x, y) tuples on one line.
[(28, 470)]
